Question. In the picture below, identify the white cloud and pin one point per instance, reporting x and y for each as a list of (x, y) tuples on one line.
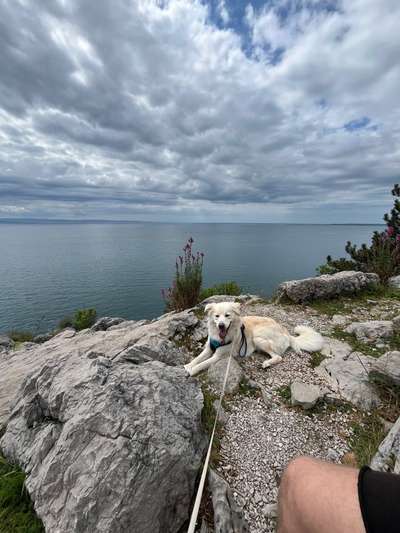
[(223, 11), (12, 209), (147, 109)]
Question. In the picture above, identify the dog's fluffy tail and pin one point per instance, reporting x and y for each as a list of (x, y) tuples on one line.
[(308, 340)]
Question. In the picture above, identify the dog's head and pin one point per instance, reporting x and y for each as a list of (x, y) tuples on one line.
[(221, 316)]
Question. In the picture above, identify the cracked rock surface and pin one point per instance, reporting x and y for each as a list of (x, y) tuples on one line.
[(108, 445), (110, 337), (326, 286)]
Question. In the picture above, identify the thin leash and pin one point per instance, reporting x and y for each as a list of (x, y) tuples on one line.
[(199, 494)]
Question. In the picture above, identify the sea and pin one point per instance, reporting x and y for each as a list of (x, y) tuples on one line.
[(48, 270)]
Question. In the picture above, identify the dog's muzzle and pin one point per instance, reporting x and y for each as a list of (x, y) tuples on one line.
[(222, 330)]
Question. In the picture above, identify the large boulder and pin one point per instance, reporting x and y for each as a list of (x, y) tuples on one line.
[(372, 330), (161, 339), (394, 282), (217, 371), (387, 458), (349, 378), (326, 286), (387, 368), (108, 445)]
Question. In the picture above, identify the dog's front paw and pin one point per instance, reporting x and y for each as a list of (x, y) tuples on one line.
[(266, 364), (188, 369)]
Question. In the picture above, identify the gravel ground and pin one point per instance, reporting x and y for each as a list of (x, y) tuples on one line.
[(262, 434), (259, 444)]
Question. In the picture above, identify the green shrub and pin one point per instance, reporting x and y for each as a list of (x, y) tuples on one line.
[(16, 509), (84, 318), (21, 335), (382, 257), (332, 266), (230, 287), (185, 290), (383, 254)]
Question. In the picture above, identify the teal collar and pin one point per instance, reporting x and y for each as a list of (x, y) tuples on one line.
[(214, 344)]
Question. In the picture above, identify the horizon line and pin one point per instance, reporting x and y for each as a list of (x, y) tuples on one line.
[(106, 221)]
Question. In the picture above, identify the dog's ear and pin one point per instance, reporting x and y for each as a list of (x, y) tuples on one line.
[(208, 308), (236, 308)]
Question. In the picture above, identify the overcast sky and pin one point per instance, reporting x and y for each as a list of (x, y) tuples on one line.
[(226, 110)]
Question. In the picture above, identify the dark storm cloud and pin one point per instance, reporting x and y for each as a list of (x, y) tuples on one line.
[(136, 108)]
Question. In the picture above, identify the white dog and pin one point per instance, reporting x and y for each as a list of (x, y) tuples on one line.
[(246, 335)]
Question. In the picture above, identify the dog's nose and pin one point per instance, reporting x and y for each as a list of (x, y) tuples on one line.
[(221, 325)]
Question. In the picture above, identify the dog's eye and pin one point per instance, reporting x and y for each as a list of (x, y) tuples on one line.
[(216, 316), (227, 315)]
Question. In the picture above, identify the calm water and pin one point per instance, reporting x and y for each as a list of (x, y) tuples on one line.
[(49, 270)]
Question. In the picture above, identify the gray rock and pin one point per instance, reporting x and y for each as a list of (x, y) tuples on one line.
[(371, 330), (394, 282), (6, 342), (219, 298), (106, 322), (333, 399), (204, 527), (339, 320), (270, 510), (304, 395), (387, 458), (335, 348), (396, 323), (387, 425), (200, 333), (156, 337), (216, 375), (244, 298), (267, 398), (332, 455), (349, 378), (105, 444), (128, 324), (326, 286), (228, 517), (27, 345), (387, 368), (167, 352), (43, 337), (253, 384)]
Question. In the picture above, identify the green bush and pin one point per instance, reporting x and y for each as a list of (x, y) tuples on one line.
[(230, 287), (84, 318), (21, 335), (16, 509), (383, 254), (186, 286), (332, 266)]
